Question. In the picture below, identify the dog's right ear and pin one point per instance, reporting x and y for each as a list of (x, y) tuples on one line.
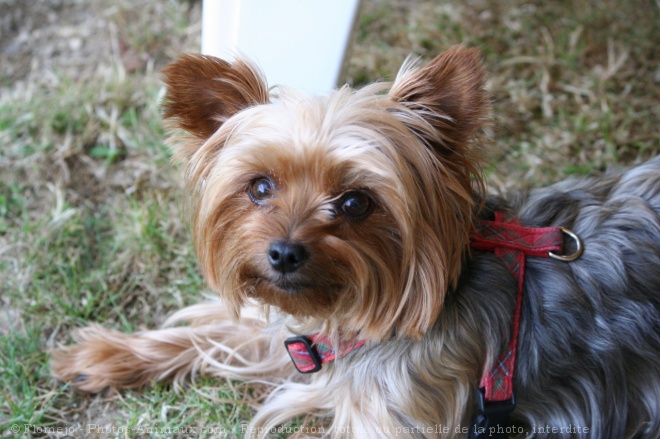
[(204, 91)]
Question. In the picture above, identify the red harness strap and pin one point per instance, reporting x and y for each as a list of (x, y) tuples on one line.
[(512, 243)]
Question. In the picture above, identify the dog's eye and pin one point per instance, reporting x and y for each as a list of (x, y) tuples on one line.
[(356, 205), (260, 190)]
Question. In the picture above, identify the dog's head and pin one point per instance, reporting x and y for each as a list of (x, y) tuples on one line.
[(353, 209)]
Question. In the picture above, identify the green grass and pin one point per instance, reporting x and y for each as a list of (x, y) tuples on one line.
[(23, 364), (91, 221)]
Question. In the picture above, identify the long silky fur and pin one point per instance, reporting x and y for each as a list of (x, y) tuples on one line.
[(434, 313)]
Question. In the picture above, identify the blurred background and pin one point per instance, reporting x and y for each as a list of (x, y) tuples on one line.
[(91, 225)]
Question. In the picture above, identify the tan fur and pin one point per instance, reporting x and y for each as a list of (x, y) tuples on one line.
[(201, 339)]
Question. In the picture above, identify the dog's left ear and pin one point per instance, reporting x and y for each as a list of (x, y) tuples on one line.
[(444, 105), (204, 91), (449, 94)]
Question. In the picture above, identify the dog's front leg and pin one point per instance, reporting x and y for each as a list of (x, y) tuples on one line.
[(210, 343), (105, 359)]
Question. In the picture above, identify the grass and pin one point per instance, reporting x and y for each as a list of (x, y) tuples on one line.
[(91, 225)]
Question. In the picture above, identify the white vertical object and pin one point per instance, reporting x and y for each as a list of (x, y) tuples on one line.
[(297, 43)]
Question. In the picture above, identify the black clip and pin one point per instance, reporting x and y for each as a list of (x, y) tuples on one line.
[(493, 417), (313, 355)]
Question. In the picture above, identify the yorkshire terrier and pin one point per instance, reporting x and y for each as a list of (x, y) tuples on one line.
[(350, 235)]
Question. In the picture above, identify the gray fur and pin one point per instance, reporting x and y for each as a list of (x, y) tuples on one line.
[(590, 345)]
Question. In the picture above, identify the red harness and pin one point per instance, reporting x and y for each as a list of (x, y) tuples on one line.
[(512, 243)]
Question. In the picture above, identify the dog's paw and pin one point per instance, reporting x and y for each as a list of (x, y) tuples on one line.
[(101, 361)]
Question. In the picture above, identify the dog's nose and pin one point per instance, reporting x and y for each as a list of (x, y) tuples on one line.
[(287, 256)]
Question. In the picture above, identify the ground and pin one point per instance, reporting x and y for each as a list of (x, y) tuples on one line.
[(91, 223)]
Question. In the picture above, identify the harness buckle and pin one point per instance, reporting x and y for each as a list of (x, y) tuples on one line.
[(303, 355), (492, 419)]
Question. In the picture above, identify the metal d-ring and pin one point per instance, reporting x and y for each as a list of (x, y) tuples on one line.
[(578, 251)]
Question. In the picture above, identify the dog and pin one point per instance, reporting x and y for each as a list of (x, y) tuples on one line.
[(350, 235)]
